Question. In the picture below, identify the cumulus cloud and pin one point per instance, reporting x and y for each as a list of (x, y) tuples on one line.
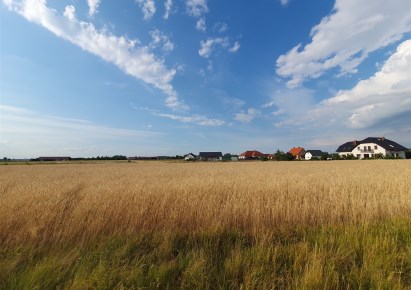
[(93, 6), (195, 119), (346, 37), (159, 38), (201, 24), (148, 7), (125, 53), (384, 95), (247, 116), (167, 5), (207, 47), (196, 8)]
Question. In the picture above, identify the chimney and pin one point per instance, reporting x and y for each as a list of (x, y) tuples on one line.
[(355, 142), (382, 138)]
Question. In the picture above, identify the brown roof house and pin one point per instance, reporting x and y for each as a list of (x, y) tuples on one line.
[(297, 152), (251, 155)]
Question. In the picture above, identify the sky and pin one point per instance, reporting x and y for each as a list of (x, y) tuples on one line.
[(85, 78)]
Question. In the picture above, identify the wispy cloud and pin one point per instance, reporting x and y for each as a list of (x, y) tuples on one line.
[(201, 24), (220, 27), (148, 7), (93, 6), (55, 135), (284, 2), (167, 5), (247, 116), (195, 119), (235, 47), (207, 47), (159, 38), (196, 8), (346, 37), (125, 53)]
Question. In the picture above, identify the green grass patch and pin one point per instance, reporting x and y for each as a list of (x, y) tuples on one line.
[(376, 256)]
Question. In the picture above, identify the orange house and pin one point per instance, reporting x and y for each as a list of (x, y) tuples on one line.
[(297, 152)]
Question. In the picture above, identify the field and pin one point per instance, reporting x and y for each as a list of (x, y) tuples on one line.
[(250, 225)]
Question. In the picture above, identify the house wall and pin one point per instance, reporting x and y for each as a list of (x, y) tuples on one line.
[(370, 149), (308, 156)]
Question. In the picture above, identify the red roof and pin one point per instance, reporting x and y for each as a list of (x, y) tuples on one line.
[(295, 151), (251, 154)]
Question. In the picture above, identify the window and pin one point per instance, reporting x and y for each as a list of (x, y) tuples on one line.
[(375, 147), (369, 148)]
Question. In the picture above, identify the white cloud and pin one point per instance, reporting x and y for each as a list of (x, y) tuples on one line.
[(53, 135), (93, 6), (148, 7), (248, 116), (346, 37), (381, 97), (220, 27), (207, 47), (160, 38), (195, 119), (167, 5), (235, 47), (196, 8), (201, 24), (284, 2), (70, 12), (134, 60)]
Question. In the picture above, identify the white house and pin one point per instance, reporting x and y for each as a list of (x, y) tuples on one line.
[(309, 154), (190, 156), (371, 146)]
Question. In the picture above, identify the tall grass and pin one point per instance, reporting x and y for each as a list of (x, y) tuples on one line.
[(255, 225)]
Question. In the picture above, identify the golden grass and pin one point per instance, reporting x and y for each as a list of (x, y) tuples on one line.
[(78, 202)]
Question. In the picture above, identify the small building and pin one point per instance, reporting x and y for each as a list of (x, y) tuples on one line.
[(309, 154), (60, 158), (371, 146), (190, 157), (252, 155), (297, 152), (210, 156)]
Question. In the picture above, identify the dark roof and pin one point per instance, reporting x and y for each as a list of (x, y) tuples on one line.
[(381, 141), (315, 152), (385, 143), (210, 154)]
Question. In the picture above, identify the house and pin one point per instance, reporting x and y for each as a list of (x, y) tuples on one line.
[(309, 154), (297, 152), (371, 146), (190, 157), (61, 158), (210, 156), (251, 155)]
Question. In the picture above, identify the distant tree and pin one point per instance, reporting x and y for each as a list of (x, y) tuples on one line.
[(227, 156), (408, 154), (325, 156), (281, 156)]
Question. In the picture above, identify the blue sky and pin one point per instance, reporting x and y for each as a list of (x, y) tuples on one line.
[(149, 77)]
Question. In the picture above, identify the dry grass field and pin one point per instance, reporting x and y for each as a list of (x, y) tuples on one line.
[(251, 225)]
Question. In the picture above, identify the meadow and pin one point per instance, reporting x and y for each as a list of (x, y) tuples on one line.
[(199, 225)]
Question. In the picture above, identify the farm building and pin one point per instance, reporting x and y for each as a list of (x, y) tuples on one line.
[(190, 156), (371, 146), (251, 155), (210, 156), (62, 158), (309, 154)]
